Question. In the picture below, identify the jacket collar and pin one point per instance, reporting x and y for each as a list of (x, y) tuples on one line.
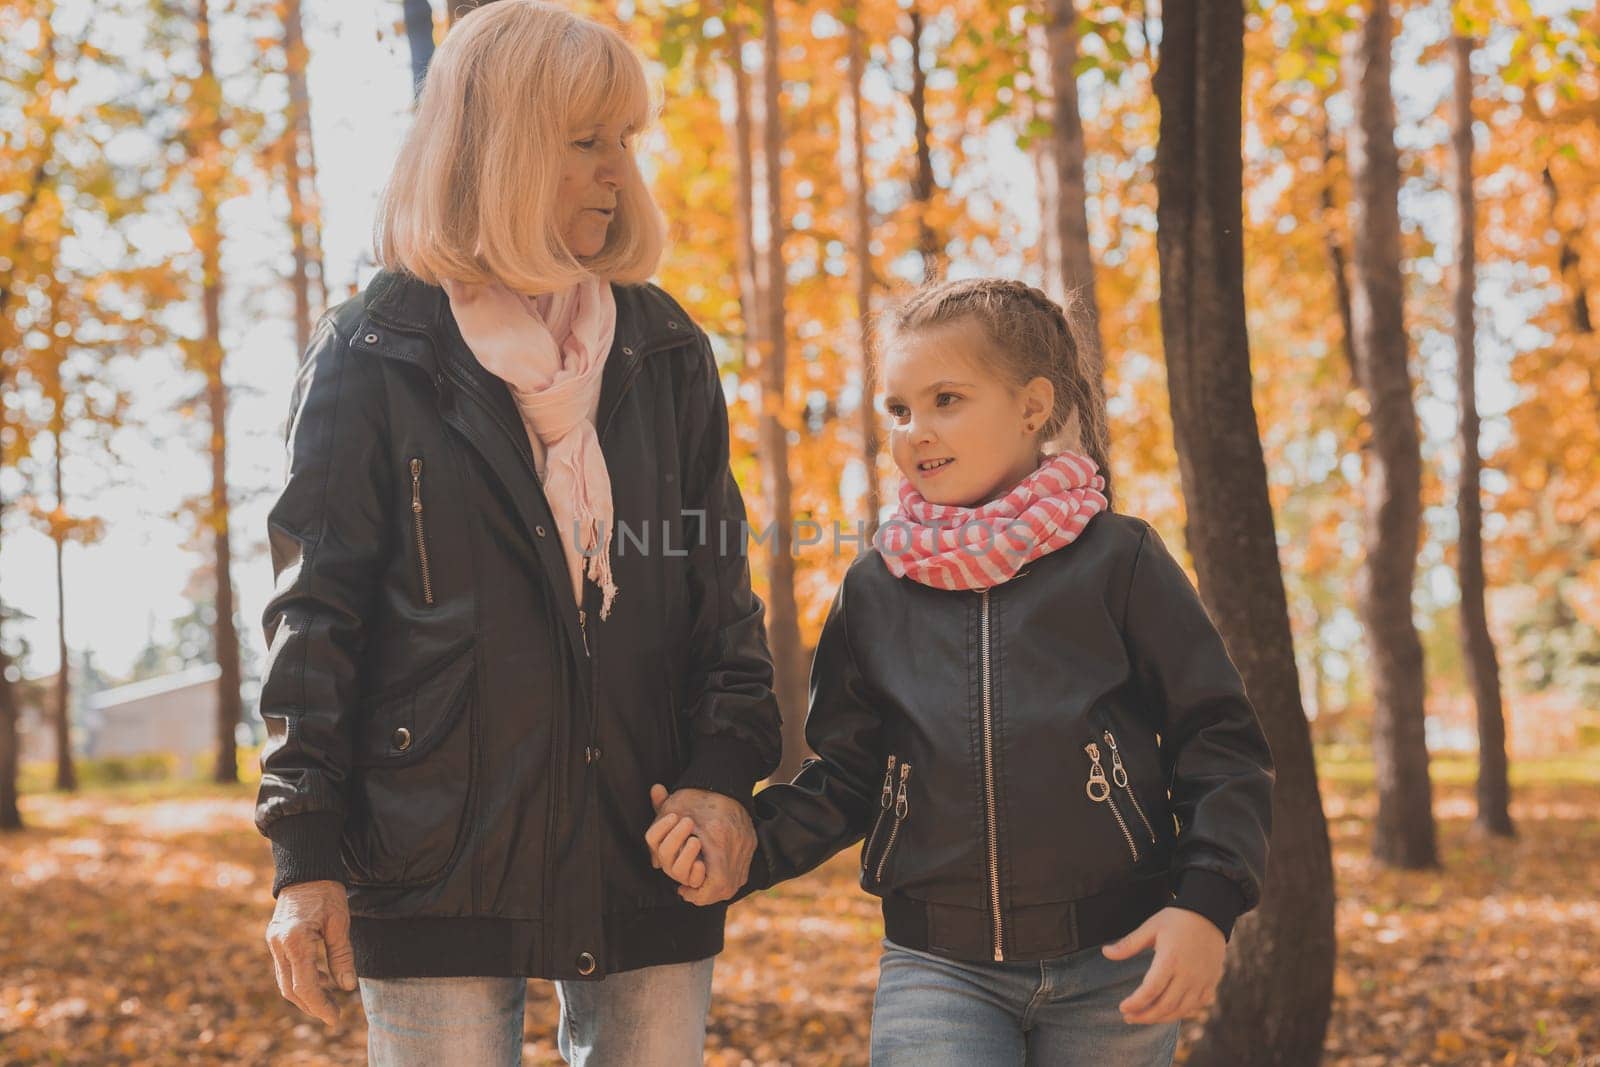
[(411, 306)]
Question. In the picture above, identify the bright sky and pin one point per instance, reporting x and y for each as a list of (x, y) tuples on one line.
[(134, 580)]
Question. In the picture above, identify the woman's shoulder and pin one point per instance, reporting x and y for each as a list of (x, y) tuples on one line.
[(651, 309)]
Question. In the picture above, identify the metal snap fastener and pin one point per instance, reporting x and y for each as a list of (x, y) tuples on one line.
[(402, 738), (672, 324), (627, 351), (539, 530), (371, 338), (586, 963)]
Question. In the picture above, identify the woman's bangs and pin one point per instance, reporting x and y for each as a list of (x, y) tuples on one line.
[(613, 90)]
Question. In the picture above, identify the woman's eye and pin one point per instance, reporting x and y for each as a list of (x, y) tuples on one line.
[(586, 144)]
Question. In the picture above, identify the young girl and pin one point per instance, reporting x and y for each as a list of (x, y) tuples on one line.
[(1019, 701)]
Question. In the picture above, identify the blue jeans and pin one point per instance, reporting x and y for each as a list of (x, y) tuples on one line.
[(652, 1017), (934, 1012)]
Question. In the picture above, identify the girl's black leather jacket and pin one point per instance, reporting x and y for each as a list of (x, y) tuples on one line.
[(1035, 768)]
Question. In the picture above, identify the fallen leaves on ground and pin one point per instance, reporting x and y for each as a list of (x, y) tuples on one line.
[(131, 932)]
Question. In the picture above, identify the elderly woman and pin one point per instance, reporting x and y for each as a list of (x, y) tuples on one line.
[(512, 594)]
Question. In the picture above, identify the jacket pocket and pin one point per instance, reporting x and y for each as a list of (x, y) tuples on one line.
[(412, 783), (421, 533), (1100, 790), (893, 807), (1119, 779)]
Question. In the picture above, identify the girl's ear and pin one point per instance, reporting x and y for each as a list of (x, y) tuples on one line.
[(1038, 401)]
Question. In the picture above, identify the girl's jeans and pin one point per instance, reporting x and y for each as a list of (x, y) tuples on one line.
[(652, 1017), (934, 1012)]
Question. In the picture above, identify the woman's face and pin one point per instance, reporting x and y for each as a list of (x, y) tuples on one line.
[(597, 164)]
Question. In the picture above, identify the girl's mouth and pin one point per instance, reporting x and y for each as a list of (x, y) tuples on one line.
[(929, 468)]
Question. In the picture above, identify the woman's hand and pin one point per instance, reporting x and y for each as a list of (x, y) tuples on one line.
[(1183, 976), (309, 936), (703, 840)]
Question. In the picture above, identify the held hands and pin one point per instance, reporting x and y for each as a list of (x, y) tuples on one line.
[(704, 842), (1183, 976), (309, 936)]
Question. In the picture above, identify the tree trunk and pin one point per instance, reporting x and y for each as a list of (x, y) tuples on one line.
[(1337, 259), (419, 34), (871, 442), (209, 237), (1494, 787), (304, 218), (1568, 262), (1403, 833), (1276, 993), (10, 741), (783, 614), (66, 772), (1071, 223), (928, 243)]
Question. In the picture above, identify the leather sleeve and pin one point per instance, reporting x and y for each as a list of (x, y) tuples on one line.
[(1213, 752), (327, 536), (831, 802), (735, 734)]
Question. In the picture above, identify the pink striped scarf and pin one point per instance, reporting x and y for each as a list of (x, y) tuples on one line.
[(949, 547)]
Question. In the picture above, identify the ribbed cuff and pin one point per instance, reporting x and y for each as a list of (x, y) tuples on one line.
[(305, 848), (723, 765), (1212, 895)]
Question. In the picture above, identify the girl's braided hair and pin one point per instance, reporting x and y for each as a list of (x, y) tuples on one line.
[(1032, 337)]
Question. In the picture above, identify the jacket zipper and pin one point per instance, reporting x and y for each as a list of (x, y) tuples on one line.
[(1099, 790), (422, 540), (885, 802), (1119, 775), (901, 809), (988, 788)]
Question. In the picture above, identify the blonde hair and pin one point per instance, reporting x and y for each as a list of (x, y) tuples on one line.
[(1030, 336), (472, 197)]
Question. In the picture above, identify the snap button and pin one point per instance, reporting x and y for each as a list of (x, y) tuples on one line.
[(371, 338), (539, 530), (672, 324), (627, 351), (402, 738), (586, 963)]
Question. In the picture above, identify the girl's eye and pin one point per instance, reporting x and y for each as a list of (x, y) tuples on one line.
[(586, 144), (897, 412), (942, 396)]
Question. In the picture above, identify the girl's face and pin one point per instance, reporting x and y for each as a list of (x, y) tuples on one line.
[(597, 164), (959, 431)]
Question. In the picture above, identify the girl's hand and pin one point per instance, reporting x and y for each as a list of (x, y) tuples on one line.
[(1182, 980), (675, 849)]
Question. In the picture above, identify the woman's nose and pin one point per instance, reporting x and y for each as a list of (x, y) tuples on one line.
[(612, 169)]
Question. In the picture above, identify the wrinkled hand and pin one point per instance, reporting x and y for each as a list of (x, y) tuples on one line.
[(1183, 976), (703, 840), (309, 936)]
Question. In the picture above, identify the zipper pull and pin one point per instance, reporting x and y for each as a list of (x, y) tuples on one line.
[(416, 486), (888, 787), (901, 806), (1119, 773), (583, 628), (1097, 787)]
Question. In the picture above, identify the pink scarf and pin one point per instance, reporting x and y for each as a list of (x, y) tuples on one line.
[(950, 547), (550, 350)]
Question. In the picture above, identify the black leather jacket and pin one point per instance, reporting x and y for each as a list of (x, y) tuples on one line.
[(447, 733), (1036, 767)]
